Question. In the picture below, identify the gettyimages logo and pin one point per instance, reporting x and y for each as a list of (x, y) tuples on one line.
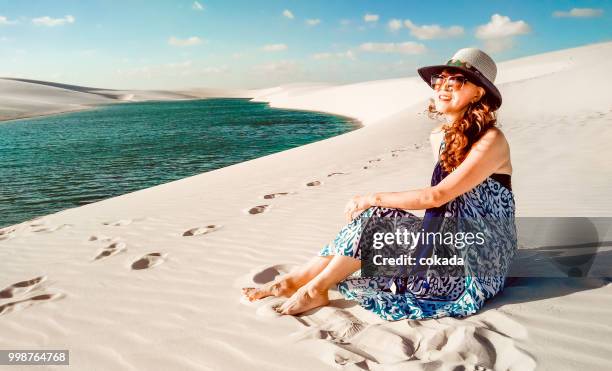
[(486, 247)]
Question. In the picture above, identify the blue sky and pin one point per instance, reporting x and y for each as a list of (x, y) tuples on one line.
[(250, 44)]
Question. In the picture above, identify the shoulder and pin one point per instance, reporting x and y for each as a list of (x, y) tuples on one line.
[(495, 138), (494, 133)]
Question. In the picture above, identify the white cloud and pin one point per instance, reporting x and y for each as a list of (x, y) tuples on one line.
[(283, 66), (197, 6), (370, 17), (287, 13), (501, 26), (313, 22), (274, 47), (51, 22), (499, 33), (345, 22), (395, 24), (579, 13), (4, 21), (190, 41), (408, 47), (432, 31), (347, 54)]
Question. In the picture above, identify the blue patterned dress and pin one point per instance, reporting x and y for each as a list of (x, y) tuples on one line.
[(431, 295)]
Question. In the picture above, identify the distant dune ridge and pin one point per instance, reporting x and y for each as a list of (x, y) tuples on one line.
[(21, 98), (150, 279)]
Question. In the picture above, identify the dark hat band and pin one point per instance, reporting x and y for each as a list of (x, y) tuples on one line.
[(460, 63)]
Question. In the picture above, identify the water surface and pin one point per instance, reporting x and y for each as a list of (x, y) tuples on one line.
[(56, 162)]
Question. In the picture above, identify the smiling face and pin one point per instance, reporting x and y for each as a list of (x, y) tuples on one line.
[(452, 102)]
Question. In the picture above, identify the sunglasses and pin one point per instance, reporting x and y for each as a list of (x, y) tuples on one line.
[(454, 82)]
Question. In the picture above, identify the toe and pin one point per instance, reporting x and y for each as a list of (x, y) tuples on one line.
[(250, 293), (257, 294), (283, 308), (288, 309)]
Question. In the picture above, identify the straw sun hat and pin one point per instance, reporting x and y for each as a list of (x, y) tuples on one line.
[(475, 65)]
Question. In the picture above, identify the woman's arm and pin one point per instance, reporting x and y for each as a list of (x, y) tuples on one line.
[(488, 154), (415, 199)]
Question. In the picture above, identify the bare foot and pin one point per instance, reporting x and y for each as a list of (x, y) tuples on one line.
[(283, 287), (304, 299)]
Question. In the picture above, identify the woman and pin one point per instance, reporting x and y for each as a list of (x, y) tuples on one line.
[(470, 179)]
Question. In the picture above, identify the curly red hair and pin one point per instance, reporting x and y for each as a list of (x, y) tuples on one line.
[(465, 131)]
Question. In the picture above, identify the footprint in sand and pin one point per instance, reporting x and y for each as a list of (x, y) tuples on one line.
[(110, 250), (343, 357), (24, 303), (275, 195), (21, 288), (474, 344), (119, 223), (201, 230), (96, 237), (338, 328), (375, 160), (7, 233), (258, 209), (348, 340), (395, 152), (51, 229), (104, 239), (148, 261), (4, 231), (332, 174), (122, 222), (36, 222), (335, 325), (314, 183)]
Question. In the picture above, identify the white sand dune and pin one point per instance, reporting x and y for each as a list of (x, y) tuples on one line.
[(20, 98), (369, 101), (150, 280)]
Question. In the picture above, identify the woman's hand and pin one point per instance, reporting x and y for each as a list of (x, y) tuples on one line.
[(356, 205)]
